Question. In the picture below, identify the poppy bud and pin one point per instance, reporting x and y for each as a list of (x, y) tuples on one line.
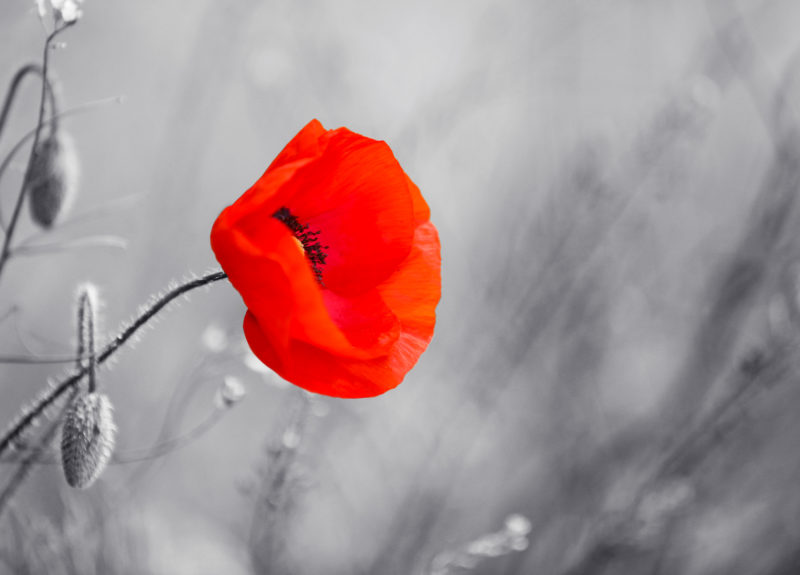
[(53, 178), (87, 439)]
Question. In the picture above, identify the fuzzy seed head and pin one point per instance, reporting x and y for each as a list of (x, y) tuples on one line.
[(87, 439), (53, 179), (67, 10)]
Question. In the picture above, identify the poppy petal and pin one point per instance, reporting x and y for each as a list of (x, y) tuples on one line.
[(321, 372), (259, 277), (306, 144), (366, 320), (264, 197), (412, 294), (422, 213), (268, 267), (413, 291), (337, 262), (355, 195)]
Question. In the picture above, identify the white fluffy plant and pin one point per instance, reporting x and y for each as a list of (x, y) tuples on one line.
[(67, 11)]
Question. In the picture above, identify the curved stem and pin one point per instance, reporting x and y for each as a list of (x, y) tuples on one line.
[(28, 249), (14, 86), (172, 444), (107, 352), (41, 456), (12, 224)]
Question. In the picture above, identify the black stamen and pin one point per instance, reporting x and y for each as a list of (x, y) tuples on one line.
[(315, 252)]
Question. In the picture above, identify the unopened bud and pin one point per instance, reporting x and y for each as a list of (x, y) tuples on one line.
[(87, 439), (53, 179)]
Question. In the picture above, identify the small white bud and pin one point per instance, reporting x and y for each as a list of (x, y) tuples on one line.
[(230, 392), (67, 10), (291, 439), (517, 524), (214, 338)]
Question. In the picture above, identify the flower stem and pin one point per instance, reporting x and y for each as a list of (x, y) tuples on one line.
[(153, 309), (5, 252), (109, 350)]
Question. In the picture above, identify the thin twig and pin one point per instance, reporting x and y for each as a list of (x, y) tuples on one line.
[(175, 412), (14, 86), (34, 360), (97, 211), (164, 447), (113, 242), (172, 444)]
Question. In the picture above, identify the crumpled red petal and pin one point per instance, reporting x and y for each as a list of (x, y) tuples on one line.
[(359, 331), (412, 293), (355, 195), (306, 144), (269, 269)]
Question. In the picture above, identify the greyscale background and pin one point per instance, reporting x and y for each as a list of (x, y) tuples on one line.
[(613, 383)]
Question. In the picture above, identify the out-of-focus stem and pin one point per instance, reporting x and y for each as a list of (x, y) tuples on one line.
[(40, 456), (32, 458), (51, 121), (12, 224), (172, 444), (14, 86)]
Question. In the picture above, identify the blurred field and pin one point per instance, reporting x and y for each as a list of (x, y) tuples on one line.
[(616, 356)]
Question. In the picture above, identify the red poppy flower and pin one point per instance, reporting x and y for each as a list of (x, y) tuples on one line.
[(337, 262)]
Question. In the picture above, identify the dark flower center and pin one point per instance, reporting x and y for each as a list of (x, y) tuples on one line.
[(315, 252)]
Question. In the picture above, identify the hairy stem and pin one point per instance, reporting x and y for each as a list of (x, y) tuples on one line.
[(109, 350)]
